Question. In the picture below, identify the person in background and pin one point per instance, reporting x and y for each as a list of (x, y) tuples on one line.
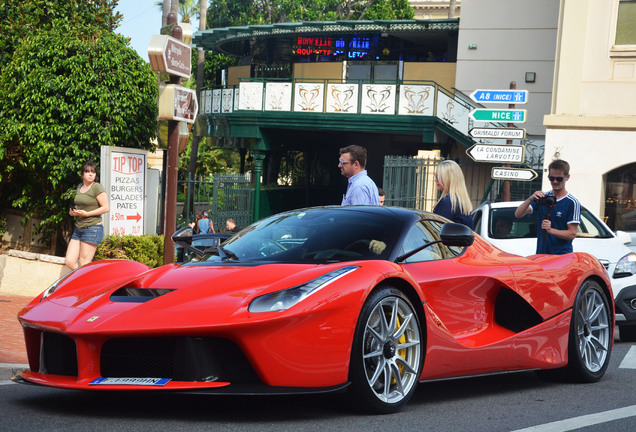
[(205, 225), (503, 227), (558, 212), (195, 224), (381, 196), (230, 225), (361, 190), (454, 204), (91, 202)]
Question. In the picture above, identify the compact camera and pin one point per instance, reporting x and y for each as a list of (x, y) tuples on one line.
[(547, 201)]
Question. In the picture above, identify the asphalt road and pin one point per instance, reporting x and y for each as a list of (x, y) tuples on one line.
[(508, 402)]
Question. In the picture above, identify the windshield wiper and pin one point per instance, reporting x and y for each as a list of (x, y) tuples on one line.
[(226, 254)]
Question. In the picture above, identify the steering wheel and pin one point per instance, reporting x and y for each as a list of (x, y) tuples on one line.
[(361, 245)]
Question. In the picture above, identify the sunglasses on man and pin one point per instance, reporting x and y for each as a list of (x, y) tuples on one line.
[(558, 179)]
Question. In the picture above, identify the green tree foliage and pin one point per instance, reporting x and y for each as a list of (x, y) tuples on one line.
[(65, 93), (187, 9), (211, 160), (19, 18), (227, 13)]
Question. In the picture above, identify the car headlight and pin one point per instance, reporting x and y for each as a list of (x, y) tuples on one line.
[(284, 299), (50, 290), (626, 266)]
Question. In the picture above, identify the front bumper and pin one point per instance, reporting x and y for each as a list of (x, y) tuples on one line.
[(625, 303)]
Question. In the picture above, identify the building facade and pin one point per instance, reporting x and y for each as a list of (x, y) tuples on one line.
[(592, 121), (506, 41)]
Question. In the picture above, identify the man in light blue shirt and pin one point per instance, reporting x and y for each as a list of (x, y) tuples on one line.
[(361, 190)]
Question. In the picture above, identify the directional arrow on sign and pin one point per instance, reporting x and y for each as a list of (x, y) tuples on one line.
[(498, 133), (499, 115), (521, 174), (497, 153), (177, 103), (136, 217), (500, 96)]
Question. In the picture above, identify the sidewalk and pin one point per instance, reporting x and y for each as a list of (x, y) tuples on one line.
[(13, 358)]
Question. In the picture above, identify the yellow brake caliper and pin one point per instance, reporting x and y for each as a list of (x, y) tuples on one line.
[(402, 352)]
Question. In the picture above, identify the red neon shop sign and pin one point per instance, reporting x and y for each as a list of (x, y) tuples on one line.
[(314, 45)]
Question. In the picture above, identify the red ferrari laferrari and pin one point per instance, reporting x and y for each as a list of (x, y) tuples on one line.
[(367, 300)]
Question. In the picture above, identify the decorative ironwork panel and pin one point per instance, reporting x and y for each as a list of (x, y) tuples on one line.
[(342, 98), (251, 96), (227, 104), (232, 199), (453, 112), (410, 182), (417, 100), (309, 97), (278, 96), (378, 99), (216, 101), (206, 106)]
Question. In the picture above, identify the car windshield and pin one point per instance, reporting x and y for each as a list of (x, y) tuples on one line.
[(504, 225), (203, 244), (314, 235)]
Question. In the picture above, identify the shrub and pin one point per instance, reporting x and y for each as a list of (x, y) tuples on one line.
[(147, 248)]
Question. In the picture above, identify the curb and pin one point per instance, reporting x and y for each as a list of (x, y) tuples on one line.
[(9, 370)]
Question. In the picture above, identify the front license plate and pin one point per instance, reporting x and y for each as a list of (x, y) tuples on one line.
[(131, 381)]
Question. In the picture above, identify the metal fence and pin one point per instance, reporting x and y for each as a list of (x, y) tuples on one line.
[(222, 196)]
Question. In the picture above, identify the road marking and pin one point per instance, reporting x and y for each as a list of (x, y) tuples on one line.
[(629, 362), (583, 421)]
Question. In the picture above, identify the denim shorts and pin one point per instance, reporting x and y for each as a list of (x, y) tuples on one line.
[(92, 234)]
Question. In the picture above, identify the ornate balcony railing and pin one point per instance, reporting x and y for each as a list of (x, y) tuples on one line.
[(344, 97)]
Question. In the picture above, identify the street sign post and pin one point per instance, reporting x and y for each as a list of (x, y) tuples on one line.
[(498, 133), (177, 103), (170, 55), (499, 115), (500, 96), (497, 153), (521, 174)]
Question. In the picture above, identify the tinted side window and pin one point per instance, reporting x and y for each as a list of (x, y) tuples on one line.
[(504, 224), (424, 232)]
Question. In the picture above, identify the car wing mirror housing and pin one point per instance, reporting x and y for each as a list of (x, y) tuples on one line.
[(454, 234), (183, 236)]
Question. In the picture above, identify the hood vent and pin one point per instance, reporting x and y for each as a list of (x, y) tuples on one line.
[(137, 295)]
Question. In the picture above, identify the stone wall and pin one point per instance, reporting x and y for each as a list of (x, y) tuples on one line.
[(28, 273)]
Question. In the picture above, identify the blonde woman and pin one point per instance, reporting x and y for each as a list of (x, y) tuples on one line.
[(454, 204)]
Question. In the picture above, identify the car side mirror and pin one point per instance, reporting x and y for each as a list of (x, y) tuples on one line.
[(184, 235), (454, 234)]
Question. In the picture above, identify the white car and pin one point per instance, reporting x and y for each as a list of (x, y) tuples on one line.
[(519, 236)]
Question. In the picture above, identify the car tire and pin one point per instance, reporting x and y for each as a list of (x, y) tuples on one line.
[(387, 354), (591, 334), (627, 333)]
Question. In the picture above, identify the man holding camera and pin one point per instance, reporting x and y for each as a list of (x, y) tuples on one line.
[(558, 212)]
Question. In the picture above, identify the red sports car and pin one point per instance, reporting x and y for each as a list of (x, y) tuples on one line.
[(368, 300)]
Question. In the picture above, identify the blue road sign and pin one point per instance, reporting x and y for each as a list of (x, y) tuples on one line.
[(500, 96)]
